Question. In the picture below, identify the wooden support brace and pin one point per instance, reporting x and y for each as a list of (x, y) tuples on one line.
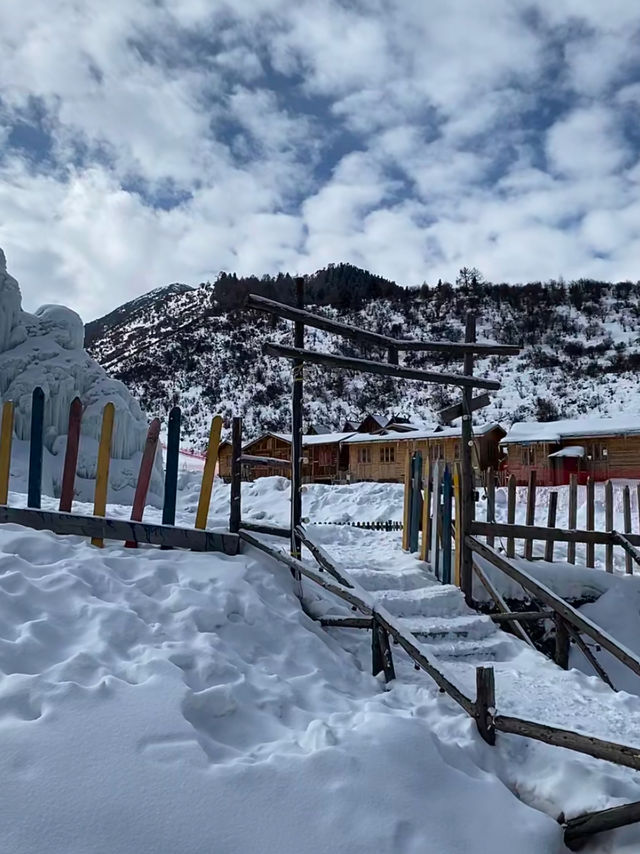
[(485, 705), (562, 643), (578, 830)]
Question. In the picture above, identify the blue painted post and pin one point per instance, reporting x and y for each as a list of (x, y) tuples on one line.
[(171, 467), (416, 500), (447, 502), (34, 491)]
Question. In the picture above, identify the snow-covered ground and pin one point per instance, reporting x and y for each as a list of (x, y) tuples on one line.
[(164, 701)]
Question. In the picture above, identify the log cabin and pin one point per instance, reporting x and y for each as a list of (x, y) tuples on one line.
[(324, 459), (600, 448), (381, 456)]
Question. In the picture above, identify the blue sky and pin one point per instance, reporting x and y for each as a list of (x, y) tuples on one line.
[(150, 141)]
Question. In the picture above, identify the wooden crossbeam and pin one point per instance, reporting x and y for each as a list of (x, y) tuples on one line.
[(250, 460), (364, 336), (120, 529), (562, 535), (367, 366), (272, 530), (578, 829), (450, 413)]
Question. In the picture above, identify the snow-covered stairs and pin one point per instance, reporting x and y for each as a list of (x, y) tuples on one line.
[(436, 614)]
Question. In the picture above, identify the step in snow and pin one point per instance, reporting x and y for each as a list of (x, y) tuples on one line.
[(385, 579), (424, 602), (495, 648), (470, 627)]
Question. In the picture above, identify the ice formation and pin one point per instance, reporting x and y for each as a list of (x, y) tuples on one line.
[(46, 349)]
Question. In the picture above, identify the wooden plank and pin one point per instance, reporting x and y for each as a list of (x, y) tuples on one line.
[(511, 514), (364, 336), (491, 501), (204, 501), (144, 475), (272, 530), (447, 498), (626, 507), (563, 645), (426, 507), (346, 622), (531, 513), (551, 523), (102, 468), (558, 535), (6, 438), (546, 595), (120, 529), (368, 366), (274, 462), (416, 501), (297, 379), (71, 456), (593, 661), (467, 485), (406, 510), (590, 745), (632, 553), (36, 436), (458, 525), (522, 616), (450, 413), (579, 829), (501, 604), (385, 651), (235, 509), (322, 558), (485, 703), (171, 467), (608, 523), (591, 519), (435, 517), (573, 516)]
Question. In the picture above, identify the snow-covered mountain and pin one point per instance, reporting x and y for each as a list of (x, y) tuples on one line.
[(199, 348)]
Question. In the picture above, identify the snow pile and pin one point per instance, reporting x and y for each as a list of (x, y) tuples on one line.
[(166, 701), (46, 349)]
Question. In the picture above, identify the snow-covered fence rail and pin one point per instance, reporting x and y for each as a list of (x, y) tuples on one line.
[(98, 527), (484, 708)]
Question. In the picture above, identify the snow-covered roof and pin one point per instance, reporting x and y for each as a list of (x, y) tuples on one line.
[(569, 451), (322, 439), (430, 433), (556, 431)]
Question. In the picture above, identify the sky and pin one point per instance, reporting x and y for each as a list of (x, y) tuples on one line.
[(144, 142)]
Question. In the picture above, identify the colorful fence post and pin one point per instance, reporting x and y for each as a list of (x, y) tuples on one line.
[(34, 488), (71, 455), (458, 528), (208, 474), (144, 476), (426, 505), (435, 517), (102, 470), (416, 498), (406, 511), (6, 437), (447, 496), (171, 467)]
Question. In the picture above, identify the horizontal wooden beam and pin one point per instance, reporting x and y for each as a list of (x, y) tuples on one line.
[(364, 336), (561, 535), (120, 529), (275, 462), (557, 604), (322, 557), (523, 616), (329, 360), (576, 830), (272, 530), (621, 754), (347, 622), (450, 413)]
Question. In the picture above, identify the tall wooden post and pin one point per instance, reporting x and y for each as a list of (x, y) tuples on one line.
[(608, 523), (467, 485), (531, 512), (573, 515), (34, 486), (591, 519), (626, 509), (296, 428), (235, 511)]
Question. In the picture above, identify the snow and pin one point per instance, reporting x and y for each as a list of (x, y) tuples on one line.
[(46, 349), (429, 433), (555, 431), (569, 451)]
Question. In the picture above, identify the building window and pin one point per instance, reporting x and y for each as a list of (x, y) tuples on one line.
[(387, 454), (529, 456), (598, 452), (364, 455)]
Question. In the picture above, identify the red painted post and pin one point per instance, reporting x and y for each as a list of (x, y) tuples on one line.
[(144, 476)]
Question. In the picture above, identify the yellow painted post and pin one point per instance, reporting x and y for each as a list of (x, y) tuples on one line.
[(407, 500), (102, 470), (6, 436), (209, 471), (458, 521), (424, 543)]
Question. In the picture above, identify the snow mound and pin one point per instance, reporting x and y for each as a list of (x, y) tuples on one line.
[(45, 349)]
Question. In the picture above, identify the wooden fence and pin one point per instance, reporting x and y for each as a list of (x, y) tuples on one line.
[(97, 526)]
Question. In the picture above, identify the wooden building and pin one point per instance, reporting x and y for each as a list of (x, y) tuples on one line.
[(600, 448), (381, 456), (324, 459)]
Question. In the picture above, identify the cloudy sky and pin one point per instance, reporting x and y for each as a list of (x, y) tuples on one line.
[(149, 141)]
